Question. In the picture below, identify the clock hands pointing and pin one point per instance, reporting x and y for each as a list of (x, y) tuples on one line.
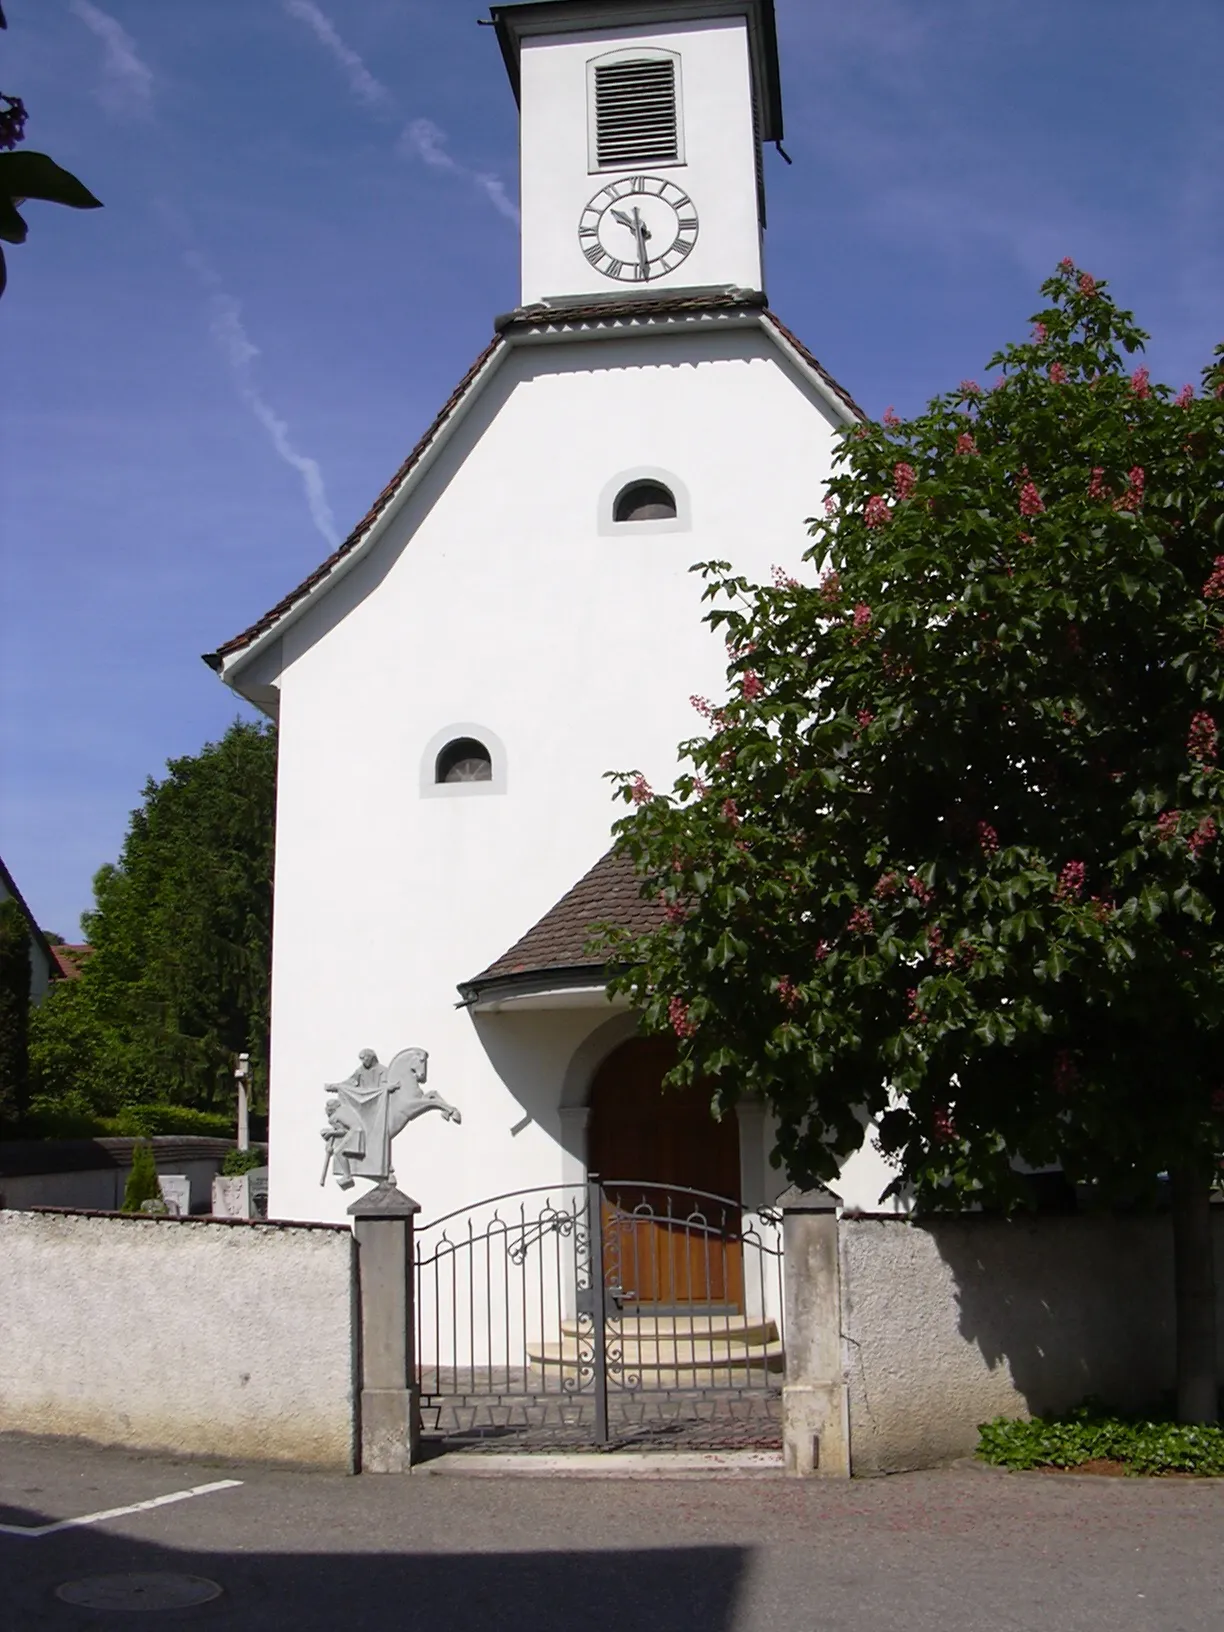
[(641, 233)]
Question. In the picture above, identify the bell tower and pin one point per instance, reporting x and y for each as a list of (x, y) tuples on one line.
[(640, 131)]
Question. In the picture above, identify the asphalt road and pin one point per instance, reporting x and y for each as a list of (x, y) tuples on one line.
[(960, 1550)]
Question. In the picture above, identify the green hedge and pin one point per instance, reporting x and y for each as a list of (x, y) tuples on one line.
[(72, 1118), (1089, 1434)]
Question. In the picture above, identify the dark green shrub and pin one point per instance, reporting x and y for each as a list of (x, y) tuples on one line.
[(239, 1162), (142, 1182)]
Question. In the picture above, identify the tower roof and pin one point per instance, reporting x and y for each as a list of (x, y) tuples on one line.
[(516, 22)]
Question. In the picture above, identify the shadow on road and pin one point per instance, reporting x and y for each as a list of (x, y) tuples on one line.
[(682, 1589)]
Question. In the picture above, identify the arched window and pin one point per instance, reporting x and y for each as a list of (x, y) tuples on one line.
[(644, 501), (464, 760)]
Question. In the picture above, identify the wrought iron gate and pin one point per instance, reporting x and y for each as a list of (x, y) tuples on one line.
[(609, 1313)]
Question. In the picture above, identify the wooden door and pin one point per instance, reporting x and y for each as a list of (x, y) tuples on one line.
[(653, 1147)]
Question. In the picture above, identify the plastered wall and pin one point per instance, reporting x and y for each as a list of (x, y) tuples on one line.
[(195, 1337), (949, 1323)]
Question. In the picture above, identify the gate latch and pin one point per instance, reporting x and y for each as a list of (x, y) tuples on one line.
[(613, 1295)]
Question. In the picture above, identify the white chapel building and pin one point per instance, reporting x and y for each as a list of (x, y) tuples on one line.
[(515, 617)]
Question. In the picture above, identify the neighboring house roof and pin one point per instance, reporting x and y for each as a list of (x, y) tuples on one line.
[(8, 887), (69, 959), (610, 893), (527, 323)]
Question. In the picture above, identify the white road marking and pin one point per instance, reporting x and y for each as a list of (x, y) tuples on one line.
[(117, 1512)]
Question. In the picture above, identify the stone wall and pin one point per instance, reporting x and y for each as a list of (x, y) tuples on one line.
[(951, 1322), (190, 1336)]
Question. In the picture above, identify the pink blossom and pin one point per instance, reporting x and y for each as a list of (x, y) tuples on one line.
[(1098, 488), (830, 588), (965, 443), (904, 477), (1184, 397), (860, 922), (1202, 740), (1087, 284), (1039, 334), (1133, 497), (862, 616), (890, 417), (864, 717), (970, 388), (640, 790), (917, 1014), (1141, 383), (751, 685), (783, 580), (1070, 882), (943, 1125), (921, 893), (700, 787), (681, 1022), (675, 913), (1066, 1074), (886, 886), (830, 505), (1030, 500), (821, 952), (1204, 834), (703, 705), (13, 118), (1213, 589), (788, 992), (730, 812), (877, 513), (1067, 264), (988, 839), (1058, 374), (1167, 825)]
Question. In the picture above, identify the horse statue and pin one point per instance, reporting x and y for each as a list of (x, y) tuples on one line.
[(367, 1110)]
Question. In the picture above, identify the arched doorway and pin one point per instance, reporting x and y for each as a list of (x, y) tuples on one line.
[(672, 1182)]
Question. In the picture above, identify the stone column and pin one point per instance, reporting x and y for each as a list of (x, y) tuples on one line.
[(815, 1407), (390, 1416)]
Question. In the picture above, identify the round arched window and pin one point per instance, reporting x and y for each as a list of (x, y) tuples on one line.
[(644, 501), (464, 760)]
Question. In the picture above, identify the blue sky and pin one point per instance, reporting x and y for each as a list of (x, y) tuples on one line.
[(309, 226)]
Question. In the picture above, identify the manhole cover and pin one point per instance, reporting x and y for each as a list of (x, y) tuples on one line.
[(155, 1590)]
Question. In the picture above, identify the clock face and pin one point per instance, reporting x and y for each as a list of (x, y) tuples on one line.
[(638, 228)]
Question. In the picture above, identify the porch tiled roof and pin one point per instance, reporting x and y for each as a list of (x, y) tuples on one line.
[(609, 893)]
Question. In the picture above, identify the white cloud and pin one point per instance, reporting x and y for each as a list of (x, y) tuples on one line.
[(127, 81), (362, 82), (240, 352), (423, 140)]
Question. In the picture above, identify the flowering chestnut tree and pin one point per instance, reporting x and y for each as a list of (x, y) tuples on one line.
[(949, 852)]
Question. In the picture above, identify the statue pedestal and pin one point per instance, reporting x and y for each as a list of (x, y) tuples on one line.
[(390, 1414)]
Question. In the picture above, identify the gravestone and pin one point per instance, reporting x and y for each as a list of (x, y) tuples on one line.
[(231, 1196), (176, 1193), (257, 1181)]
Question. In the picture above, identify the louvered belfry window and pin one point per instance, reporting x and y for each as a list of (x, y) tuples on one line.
[(636, 117)]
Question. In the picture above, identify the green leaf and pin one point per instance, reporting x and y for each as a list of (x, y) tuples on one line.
[(34, 175), (12, 228)]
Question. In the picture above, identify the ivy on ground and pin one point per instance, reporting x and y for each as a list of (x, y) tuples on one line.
[(1090, 1434)]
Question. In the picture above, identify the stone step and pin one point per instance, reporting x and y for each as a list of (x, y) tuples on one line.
[(692, 1356), (632, 1327)]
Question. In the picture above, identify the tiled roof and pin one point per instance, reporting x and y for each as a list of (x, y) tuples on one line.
[(523, 319), (609, 893), (68, 959)]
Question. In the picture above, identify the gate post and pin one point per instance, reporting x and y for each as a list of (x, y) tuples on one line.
[(599, 1308), (390, 1416), (815, 1407)]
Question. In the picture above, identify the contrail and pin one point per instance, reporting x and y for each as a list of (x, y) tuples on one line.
[(240, 352), (127, 85), (362, 82)]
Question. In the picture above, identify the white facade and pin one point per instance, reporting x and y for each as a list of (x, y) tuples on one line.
[(497, 598), (717, 172), (493, 595)]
